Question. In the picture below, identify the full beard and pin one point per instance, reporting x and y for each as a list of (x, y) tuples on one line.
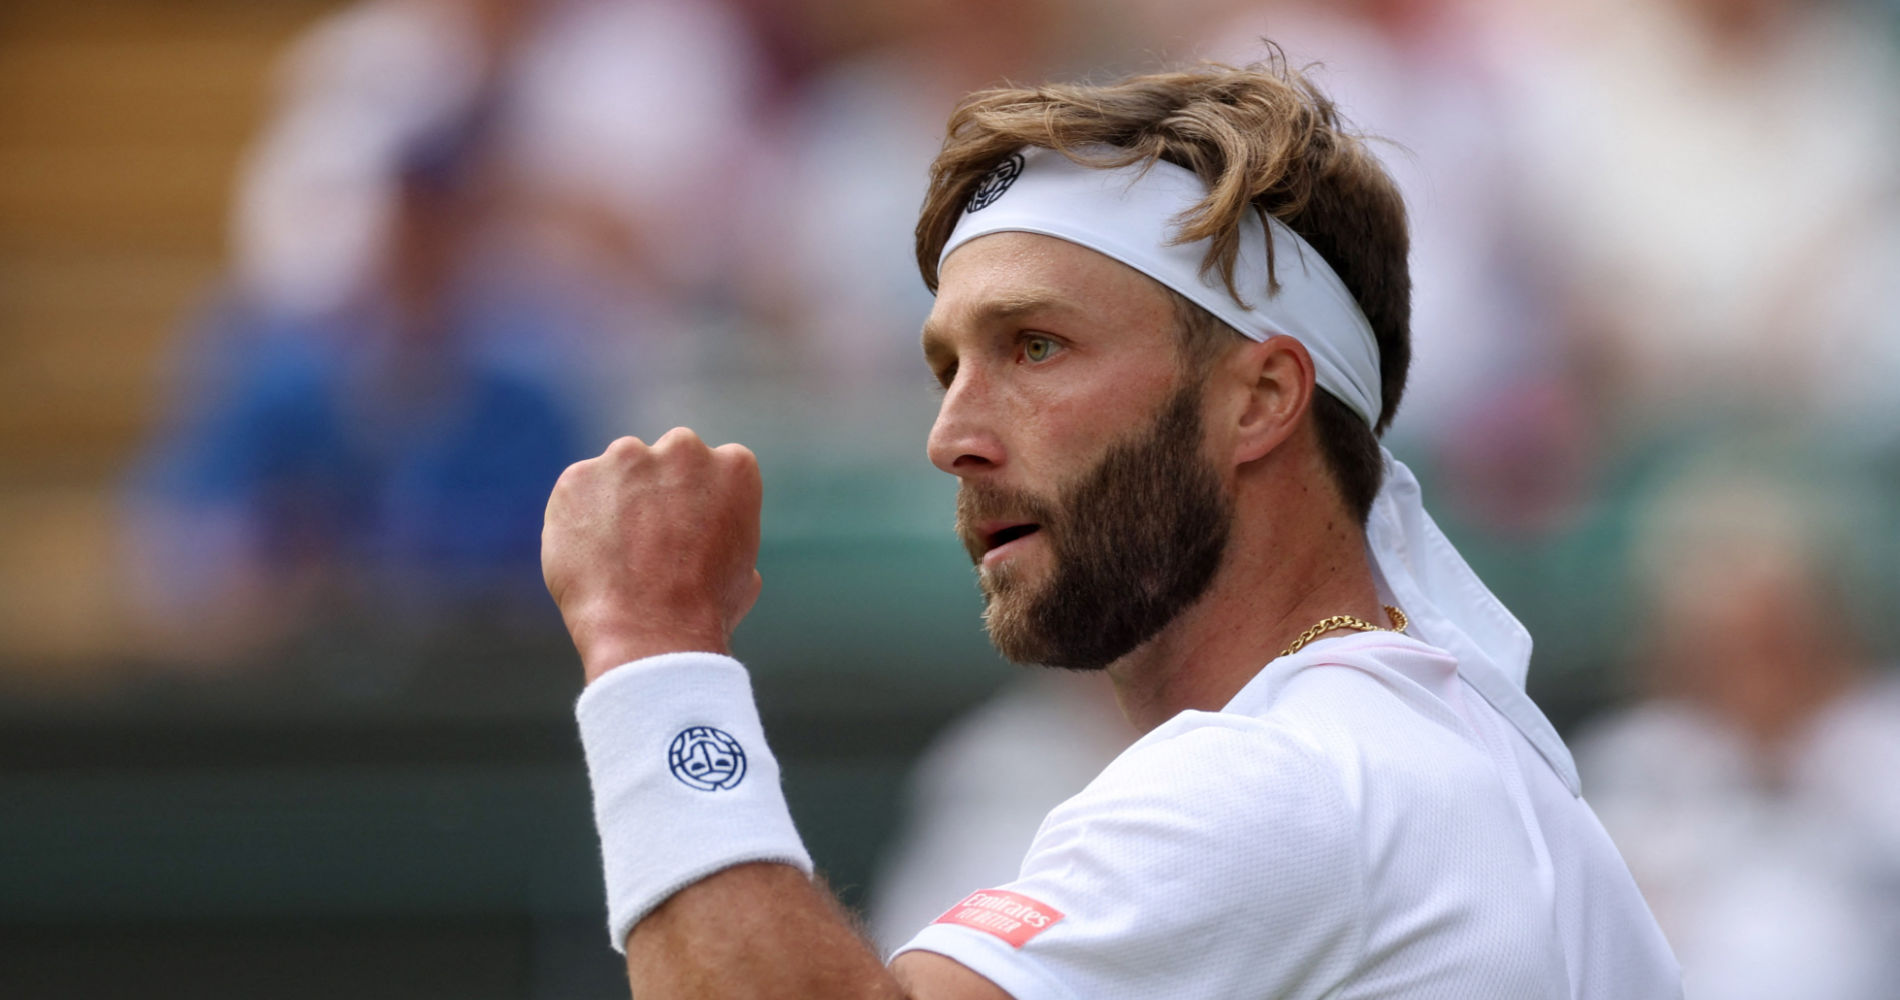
[(1136, 540)]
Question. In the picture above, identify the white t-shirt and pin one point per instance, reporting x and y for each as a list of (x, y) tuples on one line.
[(1357, 822)]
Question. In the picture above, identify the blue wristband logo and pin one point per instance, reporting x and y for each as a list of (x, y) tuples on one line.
[(707, 759)]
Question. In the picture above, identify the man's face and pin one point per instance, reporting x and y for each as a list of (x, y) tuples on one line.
[(1088, 502)]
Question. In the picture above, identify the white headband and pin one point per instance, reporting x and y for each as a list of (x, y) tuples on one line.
[(1131, 214)]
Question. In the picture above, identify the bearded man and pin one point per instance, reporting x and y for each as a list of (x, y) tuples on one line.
[(1170, 324)]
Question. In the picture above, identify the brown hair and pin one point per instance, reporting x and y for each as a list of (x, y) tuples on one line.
[(1262, 138)]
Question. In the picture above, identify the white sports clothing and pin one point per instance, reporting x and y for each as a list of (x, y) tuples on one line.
[(1357, 822)]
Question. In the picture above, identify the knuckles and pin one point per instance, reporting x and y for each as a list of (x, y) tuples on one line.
[(680, 437), (680, 448), (738, 454), (739, 464), (625, 448), (571, 473), (679, 459)]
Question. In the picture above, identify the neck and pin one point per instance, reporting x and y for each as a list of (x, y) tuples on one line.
[(1282, 574)]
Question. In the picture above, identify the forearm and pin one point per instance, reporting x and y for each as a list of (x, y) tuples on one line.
[(702, 861), (707, 883), (753, 931)]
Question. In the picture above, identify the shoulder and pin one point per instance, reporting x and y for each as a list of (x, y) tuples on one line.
[(1240, 809), (1213, 824), (1216, 857), (1389, 714), (1226, 769)]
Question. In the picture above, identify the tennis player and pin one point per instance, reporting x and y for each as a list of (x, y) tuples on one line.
[(1171, 321)]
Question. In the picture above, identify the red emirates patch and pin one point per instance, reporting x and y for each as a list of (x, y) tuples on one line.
[(1013, 917)]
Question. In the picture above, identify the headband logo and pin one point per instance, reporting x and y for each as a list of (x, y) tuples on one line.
[(991, 187)]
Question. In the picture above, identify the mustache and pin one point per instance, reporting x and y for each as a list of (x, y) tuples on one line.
[(978, 502)]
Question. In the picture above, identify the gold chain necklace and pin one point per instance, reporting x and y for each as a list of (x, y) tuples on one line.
[(1353, 622)]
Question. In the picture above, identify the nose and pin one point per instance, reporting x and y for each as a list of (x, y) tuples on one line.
[(963, 441)]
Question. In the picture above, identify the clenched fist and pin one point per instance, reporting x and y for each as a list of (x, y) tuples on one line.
[(652, 549)]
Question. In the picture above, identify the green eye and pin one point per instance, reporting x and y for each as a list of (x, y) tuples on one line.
[(1038, 348)]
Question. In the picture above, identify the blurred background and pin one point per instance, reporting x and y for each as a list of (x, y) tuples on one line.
[(305, 304)]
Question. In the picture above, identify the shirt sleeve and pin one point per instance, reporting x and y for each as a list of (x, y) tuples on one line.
[(1218, 857)]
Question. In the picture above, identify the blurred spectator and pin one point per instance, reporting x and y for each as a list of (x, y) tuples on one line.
[(1705, 168), (619, 134), (387, 452), (317, 197), (474, 237), (1752, 795), (630, 133)]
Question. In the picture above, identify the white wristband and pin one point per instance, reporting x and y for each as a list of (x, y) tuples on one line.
[(684, 785)]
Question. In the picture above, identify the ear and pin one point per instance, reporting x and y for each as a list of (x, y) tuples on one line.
[(1276, 382)]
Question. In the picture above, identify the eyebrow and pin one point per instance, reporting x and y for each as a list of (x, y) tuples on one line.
[(996, 310)]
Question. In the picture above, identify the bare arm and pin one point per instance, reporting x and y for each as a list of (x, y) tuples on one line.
[(763, 931), (650, 550)]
